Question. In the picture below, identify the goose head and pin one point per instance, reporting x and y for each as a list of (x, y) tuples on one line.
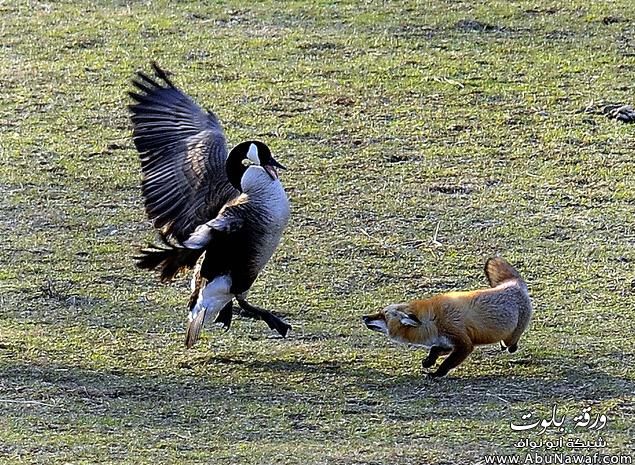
[(246, 154)]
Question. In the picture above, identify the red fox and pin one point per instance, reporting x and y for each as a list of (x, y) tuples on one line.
[(453, 323)]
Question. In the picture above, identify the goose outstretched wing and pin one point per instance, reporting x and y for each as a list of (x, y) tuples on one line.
[(183, 151)]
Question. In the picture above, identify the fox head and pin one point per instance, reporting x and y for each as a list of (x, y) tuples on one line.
[(392, 320)]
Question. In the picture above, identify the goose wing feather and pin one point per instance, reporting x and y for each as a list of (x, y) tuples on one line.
[(183, 151)]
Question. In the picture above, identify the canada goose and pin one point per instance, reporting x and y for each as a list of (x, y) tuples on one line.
[(221, 214)]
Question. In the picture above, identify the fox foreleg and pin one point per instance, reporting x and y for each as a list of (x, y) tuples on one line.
[(461, 351), (435, 353)]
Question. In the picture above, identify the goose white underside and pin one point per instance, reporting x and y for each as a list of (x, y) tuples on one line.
[(212, 298)]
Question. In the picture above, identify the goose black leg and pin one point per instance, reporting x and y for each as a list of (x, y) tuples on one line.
[(261, 314), (225, 316)]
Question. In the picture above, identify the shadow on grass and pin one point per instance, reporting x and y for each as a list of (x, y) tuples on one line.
[(276, 385), (546, 384), (546, 381), (408, 396)]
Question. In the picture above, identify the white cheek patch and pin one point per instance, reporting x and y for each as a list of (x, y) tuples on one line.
[(252, 154)]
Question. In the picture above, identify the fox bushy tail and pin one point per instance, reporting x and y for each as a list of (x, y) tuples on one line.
[(498, 270)]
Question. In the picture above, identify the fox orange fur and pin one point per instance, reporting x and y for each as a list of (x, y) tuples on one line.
[(453, 323)]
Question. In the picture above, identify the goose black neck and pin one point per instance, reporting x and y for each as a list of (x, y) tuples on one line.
[(235, 168)]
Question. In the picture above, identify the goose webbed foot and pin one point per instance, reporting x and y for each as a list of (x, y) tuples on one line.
[(272, 320)]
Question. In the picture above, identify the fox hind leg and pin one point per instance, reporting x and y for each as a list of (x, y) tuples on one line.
[(509, 346), (511, 343), (524, 315)]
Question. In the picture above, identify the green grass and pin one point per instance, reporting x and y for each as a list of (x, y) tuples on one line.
[(395, 119)]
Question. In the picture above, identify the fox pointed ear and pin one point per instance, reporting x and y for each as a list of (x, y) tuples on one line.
[(408, 319)]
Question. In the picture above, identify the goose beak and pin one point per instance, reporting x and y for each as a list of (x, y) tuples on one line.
[(271, 170), (277, 164)]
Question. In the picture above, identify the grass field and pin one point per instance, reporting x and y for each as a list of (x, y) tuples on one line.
[(420, 137)]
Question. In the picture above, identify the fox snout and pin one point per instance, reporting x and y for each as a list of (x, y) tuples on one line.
[(375, 323)]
